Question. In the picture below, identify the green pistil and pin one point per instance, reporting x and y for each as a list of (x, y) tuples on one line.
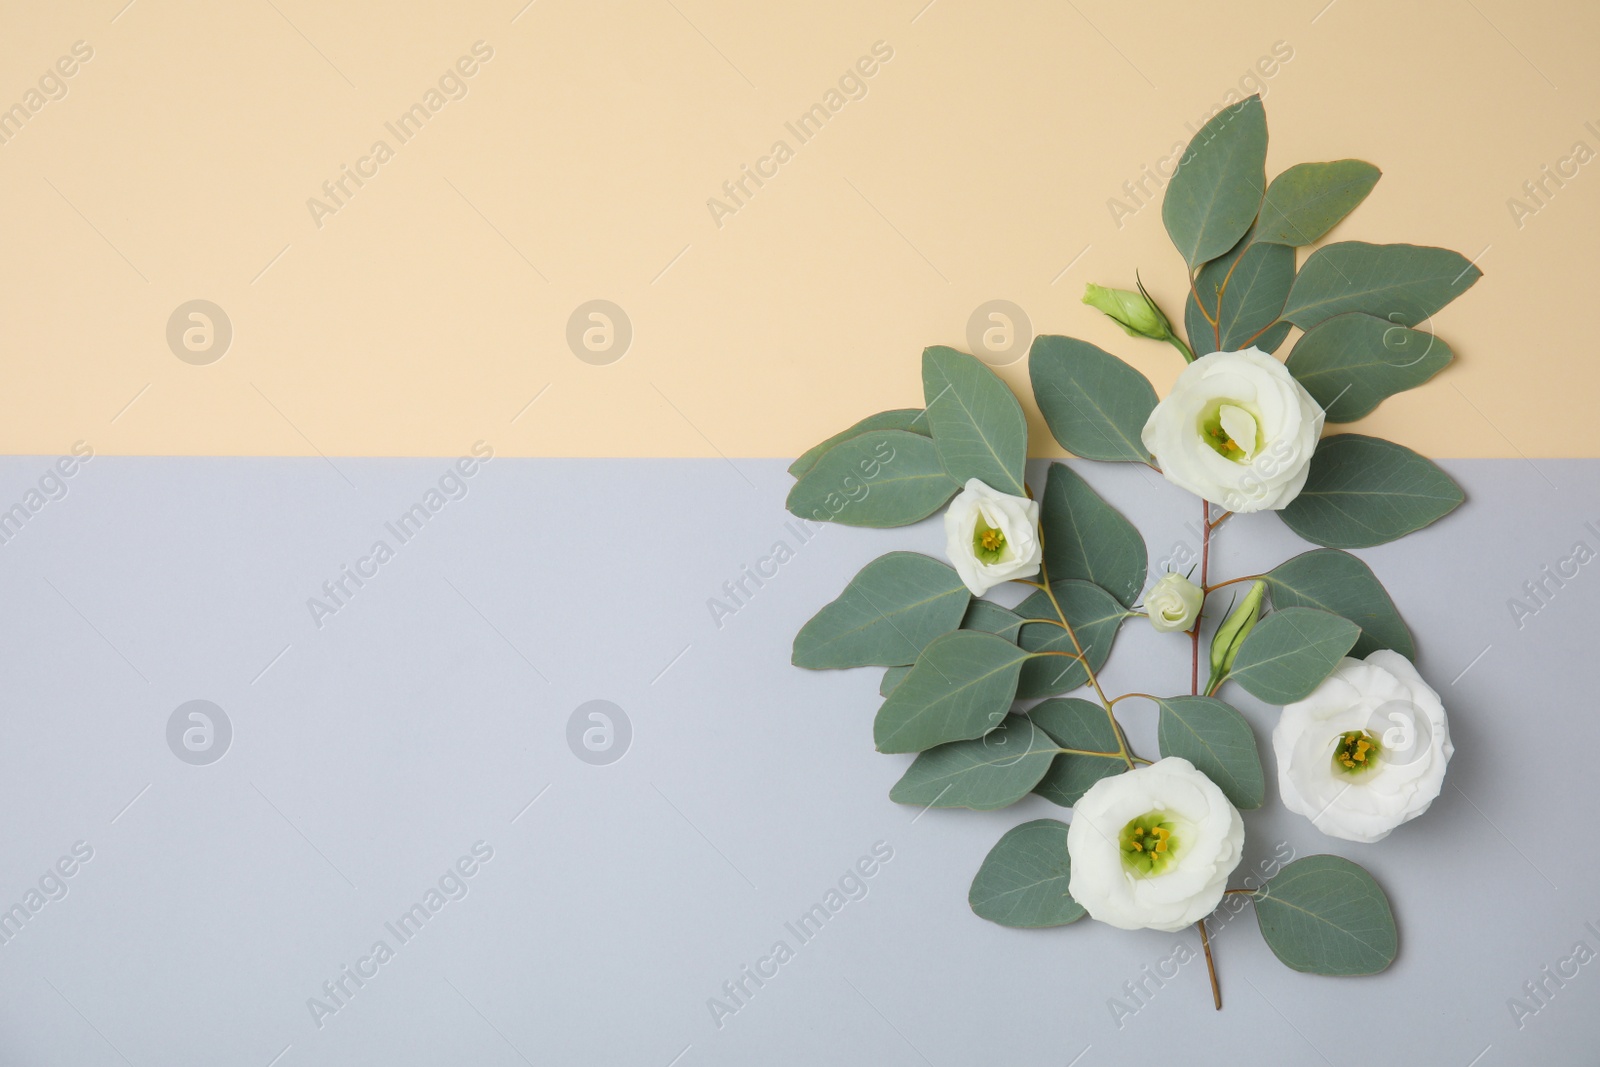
[(1148, 844), (1356, 753), (987, 542), (1218, 439)]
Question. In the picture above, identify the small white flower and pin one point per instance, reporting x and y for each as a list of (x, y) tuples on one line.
[(1152, 848), (1366, 751), (991, 537), (1173, 603), (1237, 430)]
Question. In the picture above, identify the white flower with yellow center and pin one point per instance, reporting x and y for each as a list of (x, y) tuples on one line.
[(991, 537)]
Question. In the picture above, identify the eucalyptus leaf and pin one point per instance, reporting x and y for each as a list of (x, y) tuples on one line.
[(1402, 284), (1243, 293), (910, 419), (891, 678), (1095, 404), (1290, 652), (1307, 200), (1326, 915), (991, 618), (1023, 880), (880, 478), (892, 608), (975, 420), (1079, 724), (1363, 491), (1087, 538), (989, 772), (1339, 582), (1216, 191), (1218, 741), (960, 687), (1095, 616), (1352, 362)]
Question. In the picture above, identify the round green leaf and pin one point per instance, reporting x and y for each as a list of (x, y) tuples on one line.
[(1326, 915), (1244, 292), (892, 608), (1087, 538), (1364, 491), (1023, 880), (1401, 284), (986, 773), (879, 478), (1215, 193), (1307, 200), (976, 421), (1352, 362), (1079, 724), (1094, 403), (1339, 582), (1218, 741), (960, 687), (1095, 616), (910, 419), (1290, 652)]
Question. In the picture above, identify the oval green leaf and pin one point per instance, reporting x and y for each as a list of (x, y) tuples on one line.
[(1307, 200), (1363, 491), (1339, 582), (1087, 538), (1215, 193), (975, 420), (1326, 915), (880, 478), (1352, 362), (1243, 293), (891, 678), (910, 419), (1290, 652), (991, 618), (890, 610), (1079, 724), (1023, 880), (989, 772), (1095, 616), (960, 687), (1094, 403), (1401, 284), (1218, 741)]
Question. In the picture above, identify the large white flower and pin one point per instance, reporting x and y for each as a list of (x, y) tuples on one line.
[(1366, 751), (991, 537), (1153, 847), (1237, 430)]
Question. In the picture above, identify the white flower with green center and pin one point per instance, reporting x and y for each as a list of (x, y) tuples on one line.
[(1173, 603), (1237, 430), (1152, 848), (1366, 751), (991, 537)]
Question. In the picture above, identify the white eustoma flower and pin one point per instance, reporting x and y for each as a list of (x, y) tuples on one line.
[(991, 537), (1237, 430), (1366, 751), (1173, 603), (1152, 848)]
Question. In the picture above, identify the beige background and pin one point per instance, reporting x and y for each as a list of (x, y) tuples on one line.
[(432, 307)]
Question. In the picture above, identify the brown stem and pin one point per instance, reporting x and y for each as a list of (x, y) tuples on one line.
[(1211, 965)]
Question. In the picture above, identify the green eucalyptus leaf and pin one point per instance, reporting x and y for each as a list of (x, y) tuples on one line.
[(1095, 616), (976, 420), (880, 478), (1079, 724), (1023, 880), (910, 419), (1244, 291), (1215, 193), (1402, 284), (890, 610), (1094, 403), (1326, 915), (891, 678), (1087, 538), (989, 772), (1290, 652), (1218, 741), (960, 687), (1363, 491), (1307, 200), (1352, 362), (1339, 582), (991, 618)]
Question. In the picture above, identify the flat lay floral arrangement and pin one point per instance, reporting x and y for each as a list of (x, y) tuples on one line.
[(980, 691)]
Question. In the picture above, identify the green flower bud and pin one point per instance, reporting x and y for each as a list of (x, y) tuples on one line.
[(1231, 634), (1134, 312)]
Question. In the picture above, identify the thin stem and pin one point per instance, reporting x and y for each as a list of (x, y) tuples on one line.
[(1125, 696), (1219, 519), (1084, 752), (1211, 965), (1231, 581), (1201, 304), (1205, 567), (1225, 892), (1182, 347)]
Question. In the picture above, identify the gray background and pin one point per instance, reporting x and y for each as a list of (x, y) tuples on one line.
[(428, 712)]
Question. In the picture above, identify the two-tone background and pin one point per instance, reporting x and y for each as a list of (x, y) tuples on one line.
[(277, 273)]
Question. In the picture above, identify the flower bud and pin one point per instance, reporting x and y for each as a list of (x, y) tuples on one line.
[(1173, 603), (1134, 312), (1231, 634)]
